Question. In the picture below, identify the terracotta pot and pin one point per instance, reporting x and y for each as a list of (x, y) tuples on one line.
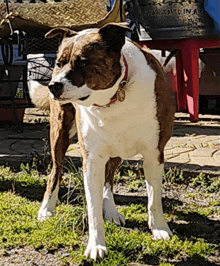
[(7, 113)]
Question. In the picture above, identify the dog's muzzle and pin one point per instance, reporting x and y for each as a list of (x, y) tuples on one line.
[(56, 88)]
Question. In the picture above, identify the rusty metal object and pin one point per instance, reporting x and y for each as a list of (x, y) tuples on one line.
[(36, 19), (172, 19)]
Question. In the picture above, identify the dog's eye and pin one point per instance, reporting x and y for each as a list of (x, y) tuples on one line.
[(61, 63), (81, 62), (58, 64)]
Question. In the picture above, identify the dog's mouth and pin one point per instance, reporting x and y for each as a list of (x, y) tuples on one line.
[(84, 98), (65, 99)]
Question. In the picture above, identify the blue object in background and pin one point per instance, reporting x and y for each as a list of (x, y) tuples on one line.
[(111, 2), (213, 9)]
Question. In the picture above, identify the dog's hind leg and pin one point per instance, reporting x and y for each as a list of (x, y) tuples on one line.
[(153, 171), (62, 119), (110, 212)]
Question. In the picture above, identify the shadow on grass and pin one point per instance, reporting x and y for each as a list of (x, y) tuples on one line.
[(188, 225), (196, 261), (198, 226), (36, 192)]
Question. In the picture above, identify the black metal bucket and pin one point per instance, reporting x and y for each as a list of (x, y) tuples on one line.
[(172, 19)]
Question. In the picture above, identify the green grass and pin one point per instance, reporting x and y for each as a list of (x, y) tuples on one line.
[(129, 245), (19, 225)]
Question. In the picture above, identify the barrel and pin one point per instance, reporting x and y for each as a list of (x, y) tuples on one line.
[(172, 19)]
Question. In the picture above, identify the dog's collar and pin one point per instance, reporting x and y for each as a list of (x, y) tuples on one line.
[(120, 93)]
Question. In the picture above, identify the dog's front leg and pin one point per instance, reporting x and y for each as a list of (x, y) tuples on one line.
[(110, 212), (153, 171), (61, 132), (94, 177)]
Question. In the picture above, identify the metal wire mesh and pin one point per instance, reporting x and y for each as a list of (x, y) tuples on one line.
[(41, 45)]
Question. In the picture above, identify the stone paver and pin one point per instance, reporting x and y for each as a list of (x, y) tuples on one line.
[(193, 146), (216, 156), (203, 152), (182, 158)]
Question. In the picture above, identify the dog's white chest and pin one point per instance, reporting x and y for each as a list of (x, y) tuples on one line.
[(123, 131)]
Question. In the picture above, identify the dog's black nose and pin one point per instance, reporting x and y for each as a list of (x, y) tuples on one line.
[(56, 88)]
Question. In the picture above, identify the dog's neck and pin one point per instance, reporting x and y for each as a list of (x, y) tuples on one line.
[(120, 93)]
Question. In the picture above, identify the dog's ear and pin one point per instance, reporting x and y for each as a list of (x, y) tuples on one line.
[(114, 35), (64, 32)]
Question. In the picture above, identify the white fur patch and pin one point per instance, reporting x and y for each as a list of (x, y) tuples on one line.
[(39, 94), (73, 93), (73, 130), (48, 206), (153, 175), (33, 85), (109, 209)]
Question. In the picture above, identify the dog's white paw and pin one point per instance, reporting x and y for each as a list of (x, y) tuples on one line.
[(42, 216), (113, 216), (159, 227), (45, 212), (95, 251), (161, 233)]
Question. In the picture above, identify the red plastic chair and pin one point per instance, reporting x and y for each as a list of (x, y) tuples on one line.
[(187, 63)]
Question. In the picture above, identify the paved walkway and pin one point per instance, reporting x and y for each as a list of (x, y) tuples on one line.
[(194, 147)]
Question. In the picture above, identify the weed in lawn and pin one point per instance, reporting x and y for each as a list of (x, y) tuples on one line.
[(200, 179), (27, 176), (74, 182), (214, 203), (135, 212), (134, 182), (174, 175)]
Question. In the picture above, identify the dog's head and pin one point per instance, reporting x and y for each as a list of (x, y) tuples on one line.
[(88, 64)]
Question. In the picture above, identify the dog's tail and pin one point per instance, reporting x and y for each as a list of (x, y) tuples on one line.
[(39, 94)]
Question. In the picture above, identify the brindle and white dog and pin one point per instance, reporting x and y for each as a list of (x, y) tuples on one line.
[(123, 107)]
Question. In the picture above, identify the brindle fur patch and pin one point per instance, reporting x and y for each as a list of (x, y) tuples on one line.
[(62, 118), (110, 169)]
